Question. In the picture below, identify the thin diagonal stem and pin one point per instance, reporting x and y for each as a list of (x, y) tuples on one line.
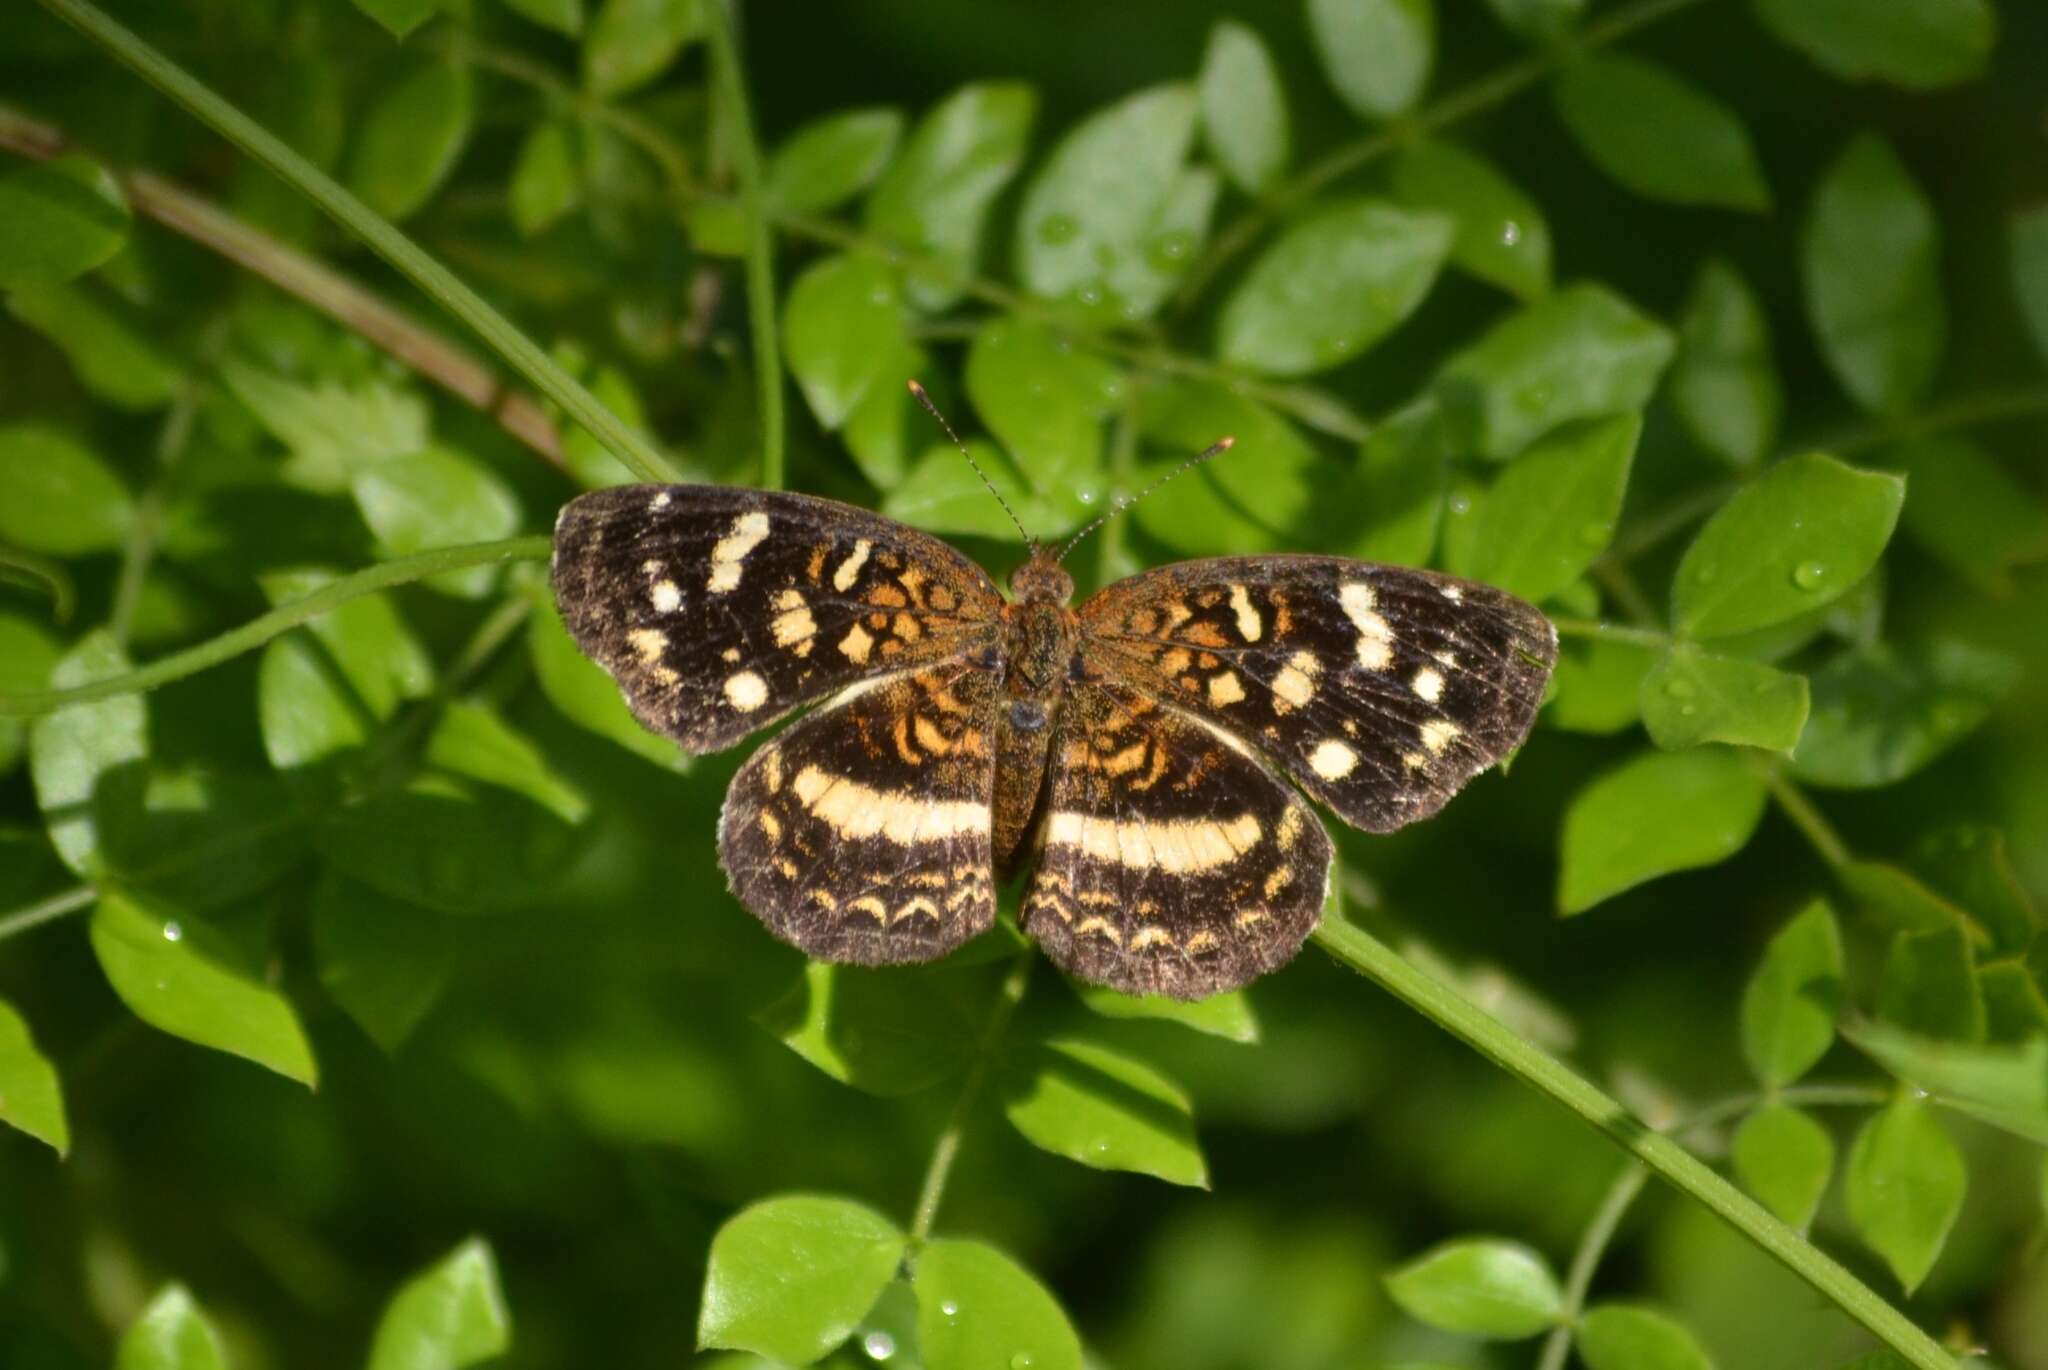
[(1806, 816), (46, 910), (947, 1148), (1593, 1245)]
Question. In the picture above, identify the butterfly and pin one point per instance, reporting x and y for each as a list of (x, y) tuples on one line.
[(1135, 753)]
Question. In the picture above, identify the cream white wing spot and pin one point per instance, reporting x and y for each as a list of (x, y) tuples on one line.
[(793, 627), (729, 553), (1225, 689), (746, 691), (660, 502), (1332, 760), (1176, 846), (665, 597), (1295, 685), (856, 645), (1375, 638), (1428, 685), (1438, 734), (1250, 626), (849, 569), (852, 809), (1451, 593)]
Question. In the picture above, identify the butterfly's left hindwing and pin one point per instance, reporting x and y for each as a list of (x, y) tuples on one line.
[(718, 610), (862, 833), (1381, 690)]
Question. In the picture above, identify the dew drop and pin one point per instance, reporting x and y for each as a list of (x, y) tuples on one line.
[(879, 1345), (1085, 496), (1089, 295), (950, 1309), (1461, 504), (1687, 710), (173, 932), (1510, 233), (1809, 575), (1678, 687), (1022, 1361), (1055, 229), (1169, 250)]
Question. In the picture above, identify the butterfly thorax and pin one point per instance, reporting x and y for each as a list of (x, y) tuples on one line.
[(1040, 634)]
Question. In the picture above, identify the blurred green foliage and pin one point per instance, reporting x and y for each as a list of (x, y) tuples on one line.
[(1720, 329)]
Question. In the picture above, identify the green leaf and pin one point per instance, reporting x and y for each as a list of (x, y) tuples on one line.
[(58, 219), (1092, 229), (594, 465), (581, 689), (448, 1316), (195, 838), (1871, 259), (1881, 713), (485, 826), (111, 359), (1914, 43), (1377, 53), (1501, 234), (2005, 1086), (1243, 107), (1967, 512), (1615, 1336), (1044, 401), (1398, 488), (436, 497), (1899, 900), (411, 137), (1791, 1001), (1784, 1157), (1104, 1109), (1597, 686), (181, 976), (172, 1333), (399, 16), (941, 494), (937, 195), (1228, 1015), (1692, 696), (27, 654), (563, 16), (1540, 21), (2027, 244), (888, 427), (547, 181), (1658, 135), (30, 1097), (1552, 512), (1905, 1187), (633, 41), (1581, 353), (1480, 1287), (1797, 537), (1724, 384), (829, 161), (842, 327), (2015, 1009), (330, 428), (888, 1031), (56, 496), (1331, 286), (76, 752), (384, 961), (322, 689), (790, 1278), (1930, 986), (979, 1310), (1654, 814), (1271, 491), (1970, 864)]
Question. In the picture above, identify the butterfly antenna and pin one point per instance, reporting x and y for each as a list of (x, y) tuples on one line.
[(933, 410), (1121, 503)]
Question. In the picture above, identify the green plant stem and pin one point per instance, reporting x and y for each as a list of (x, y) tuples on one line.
[(1593, 1243), (1360, 950), (1476, 98), (27, 568), (947, 1148), (46, 910), (746, 155), (257, 631), (520, 351), (1611, 632), (147, 522), (1806, 816)]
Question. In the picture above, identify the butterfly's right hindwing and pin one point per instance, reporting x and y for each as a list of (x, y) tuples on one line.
[(719, 610)]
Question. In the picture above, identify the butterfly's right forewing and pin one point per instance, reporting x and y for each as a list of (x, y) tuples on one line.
[(718, 610)]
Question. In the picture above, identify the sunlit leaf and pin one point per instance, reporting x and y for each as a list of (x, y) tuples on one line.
[(829, 161), (1795, 538), (1243, 107), (30, 1097), (1597, 686), (936, 196), (411, 137), (1044, 401), (172, 1333), (1502, 235), (1785, 1158), (384, 961), (1724, 384), (889, 427), (1914, 43), (633, 41), (1659, 135), (1578, 354), (1268, 492), (586, 695), (1654, 814), (109, 355), (76, 753), (1552, 511), (977, 1308), (1614, 1336), (436, 497), (842, 328), (1228, 1016), (1881, 713), (322, 689), (56, 496), (2005, 1086), (1104, 1109), (330, 427), (1905, 1187), (1331, 286), (1791, 1001), (1900, 901), (547, 181), (1692, 696), (1480, 1288), (449, 1316), (1971, 865), (1871, 256), (1377, 53), (178, 974), (791, 1277), (58, 219)]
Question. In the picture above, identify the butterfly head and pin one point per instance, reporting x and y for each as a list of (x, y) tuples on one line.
[(1041, 580)]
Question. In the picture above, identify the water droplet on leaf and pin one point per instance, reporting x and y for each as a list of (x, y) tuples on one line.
[(1510, 233), (950, 1309), (1055, 229), (173, 932), (879, 1345), (1021, 1361), (1809, 575)]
